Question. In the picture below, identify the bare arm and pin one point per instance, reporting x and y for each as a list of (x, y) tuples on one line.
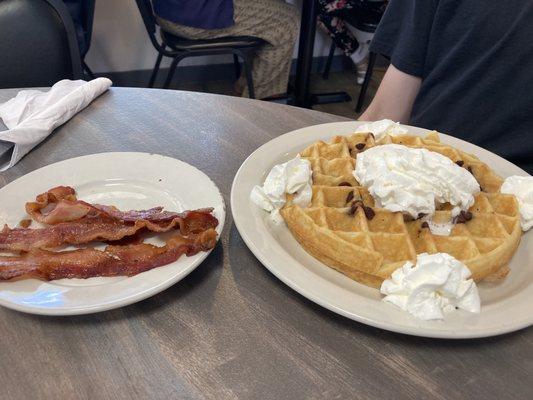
[(394, 98)]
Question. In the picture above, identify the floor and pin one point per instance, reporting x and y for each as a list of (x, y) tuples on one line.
[(344, 80)]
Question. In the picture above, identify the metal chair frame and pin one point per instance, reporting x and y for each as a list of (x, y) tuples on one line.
[(60, 8), (180, 55), (370, 68), (164, 49), (368, 75), (88, 18)]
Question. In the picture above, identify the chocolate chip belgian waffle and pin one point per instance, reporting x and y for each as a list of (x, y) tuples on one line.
[(345, 230)]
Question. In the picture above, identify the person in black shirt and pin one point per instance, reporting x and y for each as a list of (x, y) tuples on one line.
[(462, 67)]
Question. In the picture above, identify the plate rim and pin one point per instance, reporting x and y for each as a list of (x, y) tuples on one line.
[(136, 297), (408, 330)]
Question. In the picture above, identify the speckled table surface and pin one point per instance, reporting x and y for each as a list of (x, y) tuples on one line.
[(230, 329)]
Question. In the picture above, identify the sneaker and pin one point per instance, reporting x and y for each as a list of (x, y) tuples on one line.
[(361, 68)]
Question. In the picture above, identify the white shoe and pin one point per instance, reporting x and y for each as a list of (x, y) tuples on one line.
[(361, 71)]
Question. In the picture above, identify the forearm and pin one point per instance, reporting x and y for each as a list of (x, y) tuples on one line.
[(394, 98)]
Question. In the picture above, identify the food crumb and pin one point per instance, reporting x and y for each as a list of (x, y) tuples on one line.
[(25, 223)]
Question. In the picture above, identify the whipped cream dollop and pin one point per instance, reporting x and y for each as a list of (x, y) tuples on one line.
[(292, 177), (443, 228), (522, 188), (413, 180), (381, 128), (437, 284)]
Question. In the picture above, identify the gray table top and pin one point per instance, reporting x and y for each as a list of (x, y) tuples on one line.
[(230, 329)]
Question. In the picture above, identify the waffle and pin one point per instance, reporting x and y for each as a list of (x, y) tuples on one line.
[(346, 231)]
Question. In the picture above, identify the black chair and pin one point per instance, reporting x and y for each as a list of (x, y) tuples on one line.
[(180, 48), (38, 44), (82, 12), (366, 20)]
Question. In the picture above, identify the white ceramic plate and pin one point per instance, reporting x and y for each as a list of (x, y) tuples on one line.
[(127, 181), (506, 306)]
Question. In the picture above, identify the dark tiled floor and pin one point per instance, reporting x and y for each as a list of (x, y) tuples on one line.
[(337, 81), (345, 80)]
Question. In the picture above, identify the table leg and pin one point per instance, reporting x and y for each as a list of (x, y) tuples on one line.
[(305, 53)]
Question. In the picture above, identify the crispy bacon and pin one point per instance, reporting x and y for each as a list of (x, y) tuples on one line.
[(60, 204), (155, 214), (114, 260), (91, 228)]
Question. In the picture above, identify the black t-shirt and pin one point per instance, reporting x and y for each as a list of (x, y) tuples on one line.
[(475, 58)]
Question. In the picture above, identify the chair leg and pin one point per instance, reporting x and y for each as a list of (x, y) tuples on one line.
[(360, 101), (156, 69), (325, 74), (248, 71), (173, 67), (237, 65)]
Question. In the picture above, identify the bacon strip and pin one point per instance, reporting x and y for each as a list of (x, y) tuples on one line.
[(96, 228), (60, 204), (155, 214), (114, 260)]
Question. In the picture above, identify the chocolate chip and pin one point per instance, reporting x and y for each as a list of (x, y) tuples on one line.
[(408, 218), (353, 207), (460, 163), (349, 197), (425, 224), (463, 217), (360, 146), (421, 215), (369, 212), (345, 184)]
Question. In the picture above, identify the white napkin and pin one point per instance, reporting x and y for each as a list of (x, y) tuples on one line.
[(32, 115)]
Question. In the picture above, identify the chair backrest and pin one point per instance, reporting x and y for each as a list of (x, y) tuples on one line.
[(38, 44), (366, 16), (147, 14), (88, 18), (82, 13)]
